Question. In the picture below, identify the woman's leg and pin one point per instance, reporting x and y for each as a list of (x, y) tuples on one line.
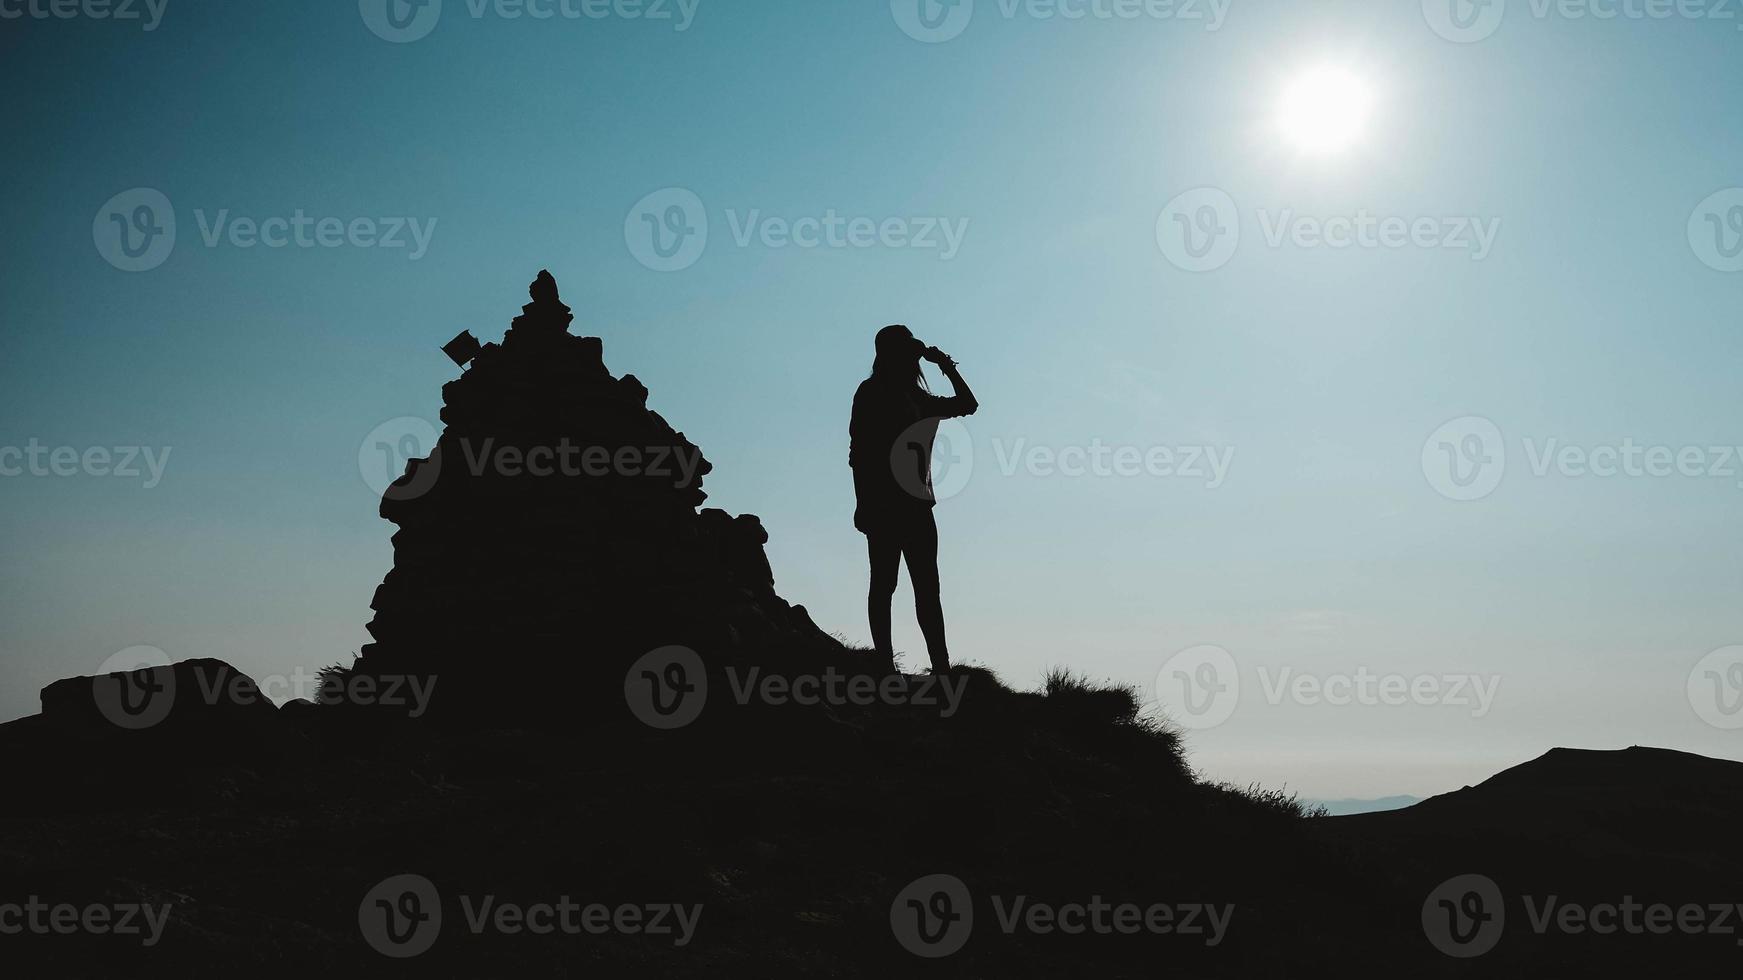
[(884, 550), (920, 547)]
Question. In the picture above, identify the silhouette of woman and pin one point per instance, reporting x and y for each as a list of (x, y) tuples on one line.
[(895, 419)]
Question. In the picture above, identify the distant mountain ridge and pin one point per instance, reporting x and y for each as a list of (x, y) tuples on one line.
[(1344, 808), (1585, 784)]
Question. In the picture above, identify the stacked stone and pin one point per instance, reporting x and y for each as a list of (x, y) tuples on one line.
[(557, 518)]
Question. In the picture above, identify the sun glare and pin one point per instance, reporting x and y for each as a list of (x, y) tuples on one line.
[(1325, 110)]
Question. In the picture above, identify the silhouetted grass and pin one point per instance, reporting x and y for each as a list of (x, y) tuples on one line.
[(1121, 700), (1108, 707), (333, 681), (1279, 801)]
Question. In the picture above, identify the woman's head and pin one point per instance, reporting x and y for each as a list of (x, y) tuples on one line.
[(898, 356)]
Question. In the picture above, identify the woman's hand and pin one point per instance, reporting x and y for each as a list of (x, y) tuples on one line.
[(964, 399)]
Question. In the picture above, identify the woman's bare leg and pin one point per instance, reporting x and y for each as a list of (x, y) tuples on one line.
[(920, 547), (885, 554)]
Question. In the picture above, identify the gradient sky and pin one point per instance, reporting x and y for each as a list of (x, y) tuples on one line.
[(1594, 318)]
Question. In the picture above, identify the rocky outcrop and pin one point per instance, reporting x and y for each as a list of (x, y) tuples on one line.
[(153, 735), (556, 522), (201, 693)]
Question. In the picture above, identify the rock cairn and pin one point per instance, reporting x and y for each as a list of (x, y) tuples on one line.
[(556, 522)]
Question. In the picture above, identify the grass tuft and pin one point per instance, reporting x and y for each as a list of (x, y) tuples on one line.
[(1279, 801)]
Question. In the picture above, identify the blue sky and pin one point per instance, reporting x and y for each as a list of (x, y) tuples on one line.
[(1596, 315)]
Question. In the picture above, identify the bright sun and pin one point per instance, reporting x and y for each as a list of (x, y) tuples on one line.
[(1325, 110)]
